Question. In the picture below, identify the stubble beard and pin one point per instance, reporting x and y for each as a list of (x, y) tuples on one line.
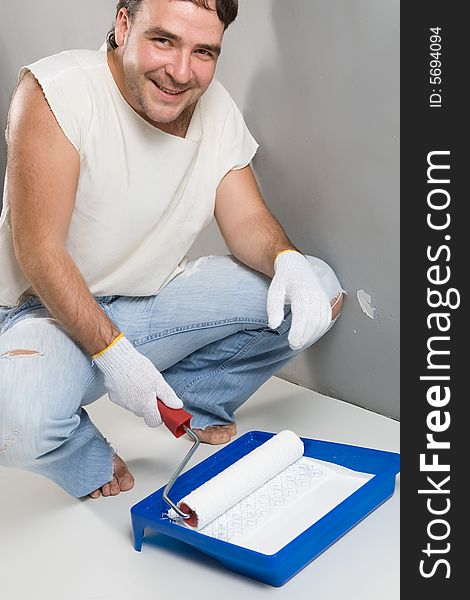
[(180, 122)]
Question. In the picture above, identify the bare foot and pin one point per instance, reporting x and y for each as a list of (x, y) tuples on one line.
[(217, 434), (122, 480)]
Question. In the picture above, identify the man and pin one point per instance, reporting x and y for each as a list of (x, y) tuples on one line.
[(116, 161)]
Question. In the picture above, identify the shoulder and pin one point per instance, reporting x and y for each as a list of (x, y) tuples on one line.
[(66, 84), (72, 65), (72, 72), (218, 105), (217, 98), (65, 62)]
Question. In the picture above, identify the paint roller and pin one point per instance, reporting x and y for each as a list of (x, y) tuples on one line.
[(217, 495)]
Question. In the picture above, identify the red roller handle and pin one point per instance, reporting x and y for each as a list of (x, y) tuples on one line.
[(174, 418)]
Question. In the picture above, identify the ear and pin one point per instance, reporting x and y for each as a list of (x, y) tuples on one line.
[(122, 26)]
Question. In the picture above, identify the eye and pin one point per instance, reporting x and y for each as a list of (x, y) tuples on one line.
[(162, 41), (204, 53)]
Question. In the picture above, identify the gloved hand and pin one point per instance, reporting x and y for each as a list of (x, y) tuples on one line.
[(133, 381), (297, 284)]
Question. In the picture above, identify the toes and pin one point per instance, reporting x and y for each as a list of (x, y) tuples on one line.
[(114, 487), (122, 481), (126, 482), (124, 478), (217, 434)]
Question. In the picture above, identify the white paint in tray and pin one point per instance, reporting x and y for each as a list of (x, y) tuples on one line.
[(286, 505)]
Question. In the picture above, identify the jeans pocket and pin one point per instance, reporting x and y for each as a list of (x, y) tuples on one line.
[(16, 313), (4, 312)]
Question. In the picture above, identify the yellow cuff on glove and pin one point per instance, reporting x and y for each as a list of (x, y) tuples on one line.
[(121, 335)]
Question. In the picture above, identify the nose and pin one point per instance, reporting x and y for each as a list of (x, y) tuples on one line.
[(179, 68)]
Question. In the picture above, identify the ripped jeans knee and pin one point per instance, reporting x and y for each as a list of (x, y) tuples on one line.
[(21, 352)]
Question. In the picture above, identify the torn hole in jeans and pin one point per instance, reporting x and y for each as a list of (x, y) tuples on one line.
[(21, 352)]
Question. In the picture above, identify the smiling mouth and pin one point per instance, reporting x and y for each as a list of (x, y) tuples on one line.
[(168, 91)]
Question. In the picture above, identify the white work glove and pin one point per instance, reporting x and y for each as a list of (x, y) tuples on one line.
[(296, 283), (133, 381)]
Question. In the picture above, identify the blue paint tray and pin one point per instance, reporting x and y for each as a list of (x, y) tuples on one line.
[(342, 485)]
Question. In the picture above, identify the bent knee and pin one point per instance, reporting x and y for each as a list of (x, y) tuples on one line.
[(336, 304)]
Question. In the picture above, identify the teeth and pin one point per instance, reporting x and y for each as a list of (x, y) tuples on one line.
[(172, 93)]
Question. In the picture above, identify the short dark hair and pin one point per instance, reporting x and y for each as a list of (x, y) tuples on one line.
[(227, 11)]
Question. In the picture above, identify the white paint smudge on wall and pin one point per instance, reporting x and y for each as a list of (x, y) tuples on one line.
[(365, 302)]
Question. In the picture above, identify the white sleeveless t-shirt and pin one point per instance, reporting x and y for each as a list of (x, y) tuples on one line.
[(143, 195)]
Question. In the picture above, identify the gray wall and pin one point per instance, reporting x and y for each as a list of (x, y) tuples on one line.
[(318, 83)]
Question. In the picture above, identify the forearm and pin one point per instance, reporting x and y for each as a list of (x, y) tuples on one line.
[(259, 240), (251, 232), (59, 284)]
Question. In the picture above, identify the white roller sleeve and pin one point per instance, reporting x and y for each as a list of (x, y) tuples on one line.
[(239, 480)]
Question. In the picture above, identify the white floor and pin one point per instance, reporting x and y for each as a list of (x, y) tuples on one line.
[(54, 547)]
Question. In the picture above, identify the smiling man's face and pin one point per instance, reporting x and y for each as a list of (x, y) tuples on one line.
[(167, 55)]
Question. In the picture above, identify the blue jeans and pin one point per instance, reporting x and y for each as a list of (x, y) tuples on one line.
[(206, 331)]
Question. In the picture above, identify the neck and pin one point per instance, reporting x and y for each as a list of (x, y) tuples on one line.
[(179, 126)]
